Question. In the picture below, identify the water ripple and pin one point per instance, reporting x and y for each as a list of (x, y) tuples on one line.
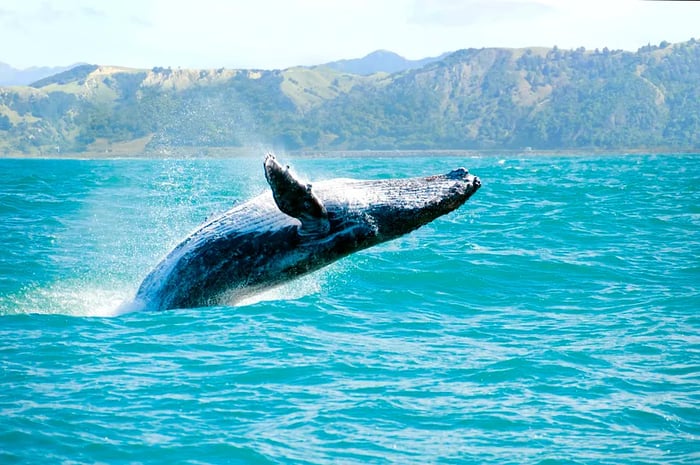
[(553, 319)]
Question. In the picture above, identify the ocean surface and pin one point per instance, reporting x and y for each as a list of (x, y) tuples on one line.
[(553, 319)]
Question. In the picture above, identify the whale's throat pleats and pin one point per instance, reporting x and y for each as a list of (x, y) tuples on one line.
[(296, 199)]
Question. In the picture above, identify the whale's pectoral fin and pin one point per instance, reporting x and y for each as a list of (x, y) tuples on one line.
[(296, 199)]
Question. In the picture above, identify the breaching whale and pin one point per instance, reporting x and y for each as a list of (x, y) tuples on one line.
[(293, 229)]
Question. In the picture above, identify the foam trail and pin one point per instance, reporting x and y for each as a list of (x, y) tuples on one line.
[(68, 298)]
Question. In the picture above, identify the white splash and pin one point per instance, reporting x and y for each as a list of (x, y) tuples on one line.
[(71, 298)]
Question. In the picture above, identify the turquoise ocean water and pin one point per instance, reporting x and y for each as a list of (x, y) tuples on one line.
[(553, 319)]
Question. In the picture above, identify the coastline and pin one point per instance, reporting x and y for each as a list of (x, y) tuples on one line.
[(245, 152)]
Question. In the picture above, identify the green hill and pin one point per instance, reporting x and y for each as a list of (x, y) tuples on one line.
[(532, 98)]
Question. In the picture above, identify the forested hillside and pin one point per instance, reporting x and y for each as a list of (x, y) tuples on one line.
[(531, 98)]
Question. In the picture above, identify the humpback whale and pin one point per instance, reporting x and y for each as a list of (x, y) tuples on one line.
[(293, 229)]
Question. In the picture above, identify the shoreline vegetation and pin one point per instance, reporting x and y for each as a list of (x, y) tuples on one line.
[(491, 100), (254, 152)]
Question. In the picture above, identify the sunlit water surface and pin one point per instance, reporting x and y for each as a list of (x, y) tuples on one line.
[(555, 318)]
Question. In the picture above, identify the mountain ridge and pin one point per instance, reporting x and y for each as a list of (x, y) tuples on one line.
[(380, 61), (374, 62), (10, 76)]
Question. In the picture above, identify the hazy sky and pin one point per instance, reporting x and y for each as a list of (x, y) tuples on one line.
[(280, 34)]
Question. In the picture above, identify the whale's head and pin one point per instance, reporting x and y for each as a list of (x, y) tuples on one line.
[(367, 212), (394, 207)]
